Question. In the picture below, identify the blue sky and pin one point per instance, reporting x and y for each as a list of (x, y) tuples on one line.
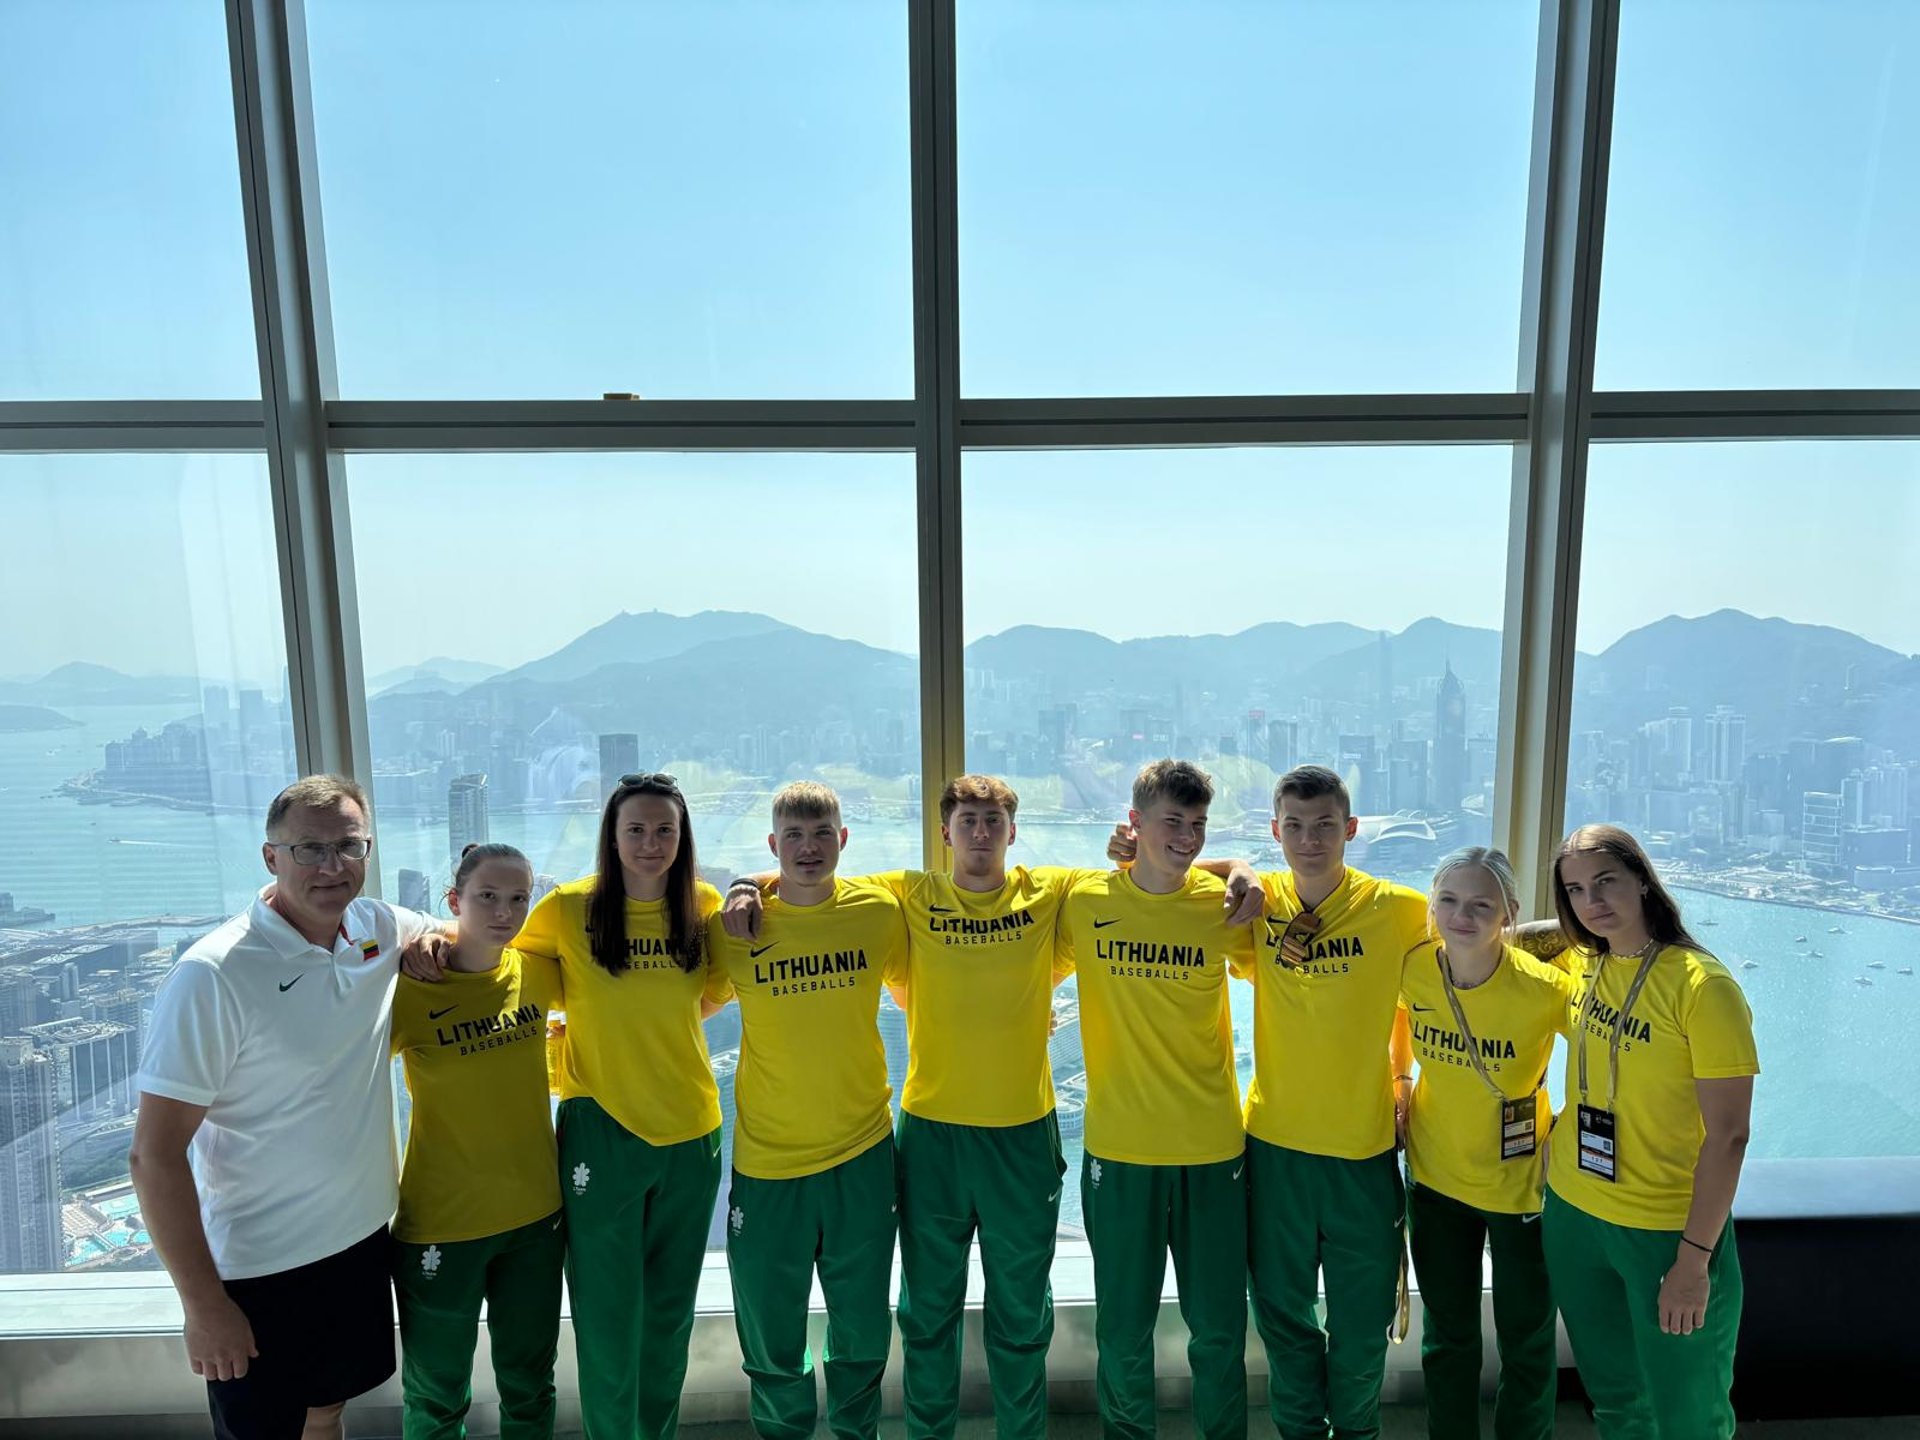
[(712, 200)]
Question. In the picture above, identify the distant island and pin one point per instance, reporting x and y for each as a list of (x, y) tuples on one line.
[(26, 719)]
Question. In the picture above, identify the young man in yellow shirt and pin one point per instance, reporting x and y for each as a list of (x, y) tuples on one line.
[(813, 1147), (1323, 1180), (1165, 1161), (977, 1143)]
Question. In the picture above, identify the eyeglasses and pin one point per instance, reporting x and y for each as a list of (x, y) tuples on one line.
[(650, 780), (316, 852), (1296, 938)]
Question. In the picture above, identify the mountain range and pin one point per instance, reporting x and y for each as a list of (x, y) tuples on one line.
[(718, 674)]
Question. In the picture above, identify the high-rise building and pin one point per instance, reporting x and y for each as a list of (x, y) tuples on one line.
[(466, 814), (31, 1240), (1449, 782), (414, 893), (619, 755), (1726, 746), (94, 1064), (19, 1000), (1283, 745), (1820, 825)]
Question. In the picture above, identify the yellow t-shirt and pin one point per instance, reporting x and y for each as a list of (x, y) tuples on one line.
[(1453, 1139), (979, 983), (1154, 1023), (480, 1151), (811, 1091), (634, 1042), (1322, 1079), (1690, 1023)]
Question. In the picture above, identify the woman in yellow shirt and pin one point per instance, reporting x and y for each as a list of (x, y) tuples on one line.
[(1483, 1019), (639, 1111), (1646, 1156), (479, 1215)]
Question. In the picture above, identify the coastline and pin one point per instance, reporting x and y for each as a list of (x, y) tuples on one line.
[(1735, 890)]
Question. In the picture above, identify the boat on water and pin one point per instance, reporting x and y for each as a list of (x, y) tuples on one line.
[(1709, 921), (1749, 964), (1817, 954), (1836, 930), (1904, 970), (1799, 939), (1862, 980), (1876, 965)]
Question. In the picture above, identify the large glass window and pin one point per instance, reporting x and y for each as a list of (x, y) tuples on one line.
[(1248, 609), (1761, 199), (1747, 701), (685, 200), (123, 262), (143, 728), (1234, 198), (738, 621)]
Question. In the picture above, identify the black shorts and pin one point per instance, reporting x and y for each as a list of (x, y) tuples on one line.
[(325, 1334)]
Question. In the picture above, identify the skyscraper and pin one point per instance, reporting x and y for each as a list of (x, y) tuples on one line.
[(466, 814), (1820, 814), (619, 755), (414, 894), (1726, 746), (1449, 771), (31, 1241)]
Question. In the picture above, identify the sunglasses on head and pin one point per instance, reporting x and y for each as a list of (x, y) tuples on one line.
[(650, 780)]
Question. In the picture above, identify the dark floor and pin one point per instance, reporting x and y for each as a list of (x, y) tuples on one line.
[(1403, 1422)]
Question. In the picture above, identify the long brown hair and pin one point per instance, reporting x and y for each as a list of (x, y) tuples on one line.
[(1662, 911), (607, 907)]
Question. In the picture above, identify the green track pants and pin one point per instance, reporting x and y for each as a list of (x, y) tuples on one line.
[(440, 1289), (1448, 1240), (1644, 1385), (637, 1217), (777, 1230), (1135, 1214), (1004, 1183), (1309, 1214)]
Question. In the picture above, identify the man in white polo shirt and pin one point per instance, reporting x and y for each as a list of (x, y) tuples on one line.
[(263, 1155)]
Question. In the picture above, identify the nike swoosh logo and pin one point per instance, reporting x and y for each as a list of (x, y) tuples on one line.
[(1529, 1219), (1102, 924), (436, 1014), (1421, 1009), (293, 982), (1236, 1174), (1053, 1197), (756, 954), (940, 909)]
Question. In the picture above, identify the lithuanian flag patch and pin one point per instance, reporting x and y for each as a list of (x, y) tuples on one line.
[(369, 949)]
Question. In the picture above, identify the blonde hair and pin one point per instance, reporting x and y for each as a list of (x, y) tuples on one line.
[(805, 800), (981, 790), (317, 792)]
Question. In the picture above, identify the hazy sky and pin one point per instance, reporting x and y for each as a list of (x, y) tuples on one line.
[(711, 200)]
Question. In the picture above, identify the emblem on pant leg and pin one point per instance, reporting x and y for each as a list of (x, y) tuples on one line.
[(736, 1219), (1093, 1173), (581, 1174), (430, 1261)]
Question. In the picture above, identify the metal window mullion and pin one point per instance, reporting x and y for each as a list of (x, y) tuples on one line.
[(936, 320), (1566, 219), (286, 259), (120, 426)]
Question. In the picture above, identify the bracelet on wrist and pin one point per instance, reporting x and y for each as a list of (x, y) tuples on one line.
[(1703, 1249), (743, 883)]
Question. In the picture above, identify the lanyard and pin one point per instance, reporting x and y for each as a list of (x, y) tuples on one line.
[(1651, 954), (1466, 1030)]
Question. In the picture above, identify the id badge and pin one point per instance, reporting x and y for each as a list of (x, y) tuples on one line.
[(1597, 1154), (1517, 1137)]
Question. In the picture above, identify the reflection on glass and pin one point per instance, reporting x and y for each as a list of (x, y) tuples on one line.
[(1761, 204), (737, 621), (670, 200), (1238, 197), (143, 729), (123, 262), (1122, 608), (1747, 702)]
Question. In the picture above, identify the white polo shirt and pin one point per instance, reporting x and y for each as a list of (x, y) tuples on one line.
[(285, 1043)]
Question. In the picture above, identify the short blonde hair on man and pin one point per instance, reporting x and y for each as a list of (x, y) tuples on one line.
[(805, 800), (317, 792), (980, 790), (1179, 781)]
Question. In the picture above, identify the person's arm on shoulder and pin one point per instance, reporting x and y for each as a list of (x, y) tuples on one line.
[(1545, 941), (1400, 1054), (740, 914), (219, 1339), (426, 944)]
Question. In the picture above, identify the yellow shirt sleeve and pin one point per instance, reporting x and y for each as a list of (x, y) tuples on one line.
[(1720, 1029), (540, 935), (719, 988)]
